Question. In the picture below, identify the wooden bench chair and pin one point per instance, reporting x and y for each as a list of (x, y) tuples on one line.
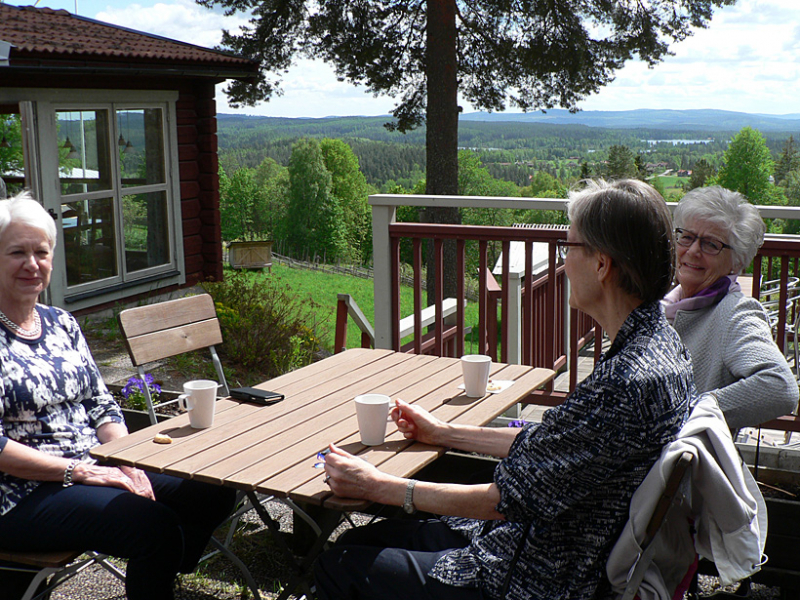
[(58, 566), (158, 331)]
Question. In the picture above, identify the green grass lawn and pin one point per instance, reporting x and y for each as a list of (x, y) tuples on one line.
[(673, 182), (323, 288)]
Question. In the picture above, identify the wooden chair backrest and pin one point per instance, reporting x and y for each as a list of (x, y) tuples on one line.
[(169, 328)]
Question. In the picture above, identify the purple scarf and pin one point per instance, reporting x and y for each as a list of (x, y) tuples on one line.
[(674, 301)]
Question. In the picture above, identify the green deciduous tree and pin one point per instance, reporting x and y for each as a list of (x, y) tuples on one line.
[(748, 166), (542, 185), (242, 206), (273, 183), (314, 220), (349, 188)]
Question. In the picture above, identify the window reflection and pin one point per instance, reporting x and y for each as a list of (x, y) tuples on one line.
[(90, 240), (141, 146), (12, 162), (83, 153), (144, 218)]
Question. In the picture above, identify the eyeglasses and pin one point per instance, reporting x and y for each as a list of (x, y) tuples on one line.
[(563, 247), (708, 245)]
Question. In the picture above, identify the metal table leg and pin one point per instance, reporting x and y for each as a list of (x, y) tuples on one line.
[(301, 567)]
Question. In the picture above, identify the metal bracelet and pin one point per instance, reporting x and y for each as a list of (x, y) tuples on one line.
[(408, 504), (68, 472)]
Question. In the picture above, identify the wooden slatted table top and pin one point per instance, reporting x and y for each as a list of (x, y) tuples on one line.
[(273, 449)]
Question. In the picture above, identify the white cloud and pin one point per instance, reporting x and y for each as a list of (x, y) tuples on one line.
[(310, 88), (177, 19), (744, 61)]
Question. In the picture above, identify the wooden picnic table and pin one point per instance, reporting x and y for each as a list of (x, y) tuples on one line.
[(273, 449)]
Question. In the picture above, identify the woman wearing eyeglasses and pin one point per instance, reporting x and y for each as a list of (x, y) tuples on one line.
[(728, 334)]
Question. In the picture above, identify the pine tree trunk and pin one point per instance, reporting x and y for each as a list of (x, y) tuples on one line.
[(441, 140)]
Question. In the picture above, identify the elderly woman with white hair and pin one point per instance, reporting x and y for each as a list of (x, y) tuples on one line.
[(727, 333), (54, 407)]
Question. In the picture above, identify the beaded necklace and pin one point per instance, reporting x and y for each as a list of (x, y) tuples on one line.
[(28, 334)]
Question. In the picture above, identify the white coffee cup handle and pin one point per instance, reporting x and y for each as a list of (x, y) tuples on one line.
[(183, 403)]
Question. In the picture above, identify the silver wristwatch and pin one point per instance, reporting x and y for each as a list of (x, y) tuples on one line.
[(408, 504)]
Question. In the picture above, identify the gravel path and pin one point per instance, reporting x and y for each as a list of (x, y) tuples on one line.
[(216, 578)]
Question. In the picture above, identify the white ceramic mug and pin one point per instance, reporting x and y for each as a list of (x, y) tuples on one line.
[(199, 398), (372, 411), (476, 374)]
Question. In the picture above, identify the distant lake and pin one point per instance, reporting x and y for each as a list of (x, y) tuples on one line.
[(677, 142)]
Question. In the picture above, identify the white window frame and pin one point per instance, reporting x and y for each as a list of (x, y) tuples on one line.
[(43, 143)]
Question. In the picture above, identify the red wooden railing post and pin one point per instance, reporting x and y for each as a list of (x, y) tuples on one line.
[(417, 247), (527, 307), (492, 294), (396, 294), (482, 299), (340, 337), (460, 297)]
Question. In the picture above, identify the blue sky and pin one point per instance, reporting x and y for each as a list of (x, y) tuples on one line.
[(748, 60)]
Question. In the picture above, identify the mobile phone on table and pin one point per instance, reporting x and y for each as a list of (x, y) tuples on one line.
[(255, 395)]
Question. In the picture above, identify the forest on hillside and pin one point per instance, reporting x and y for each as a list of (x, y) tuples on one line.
[(304, 182), (512, 151)]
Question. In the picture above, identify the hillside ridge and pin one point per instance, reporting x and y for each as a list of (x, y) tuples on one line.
[(652, 119)]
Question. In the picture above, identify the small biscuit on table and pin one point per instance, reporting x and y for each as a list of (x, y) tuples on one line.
[(162, 438)]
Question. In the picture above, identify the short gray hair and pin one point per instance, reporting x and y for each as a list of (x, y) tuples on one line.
[(22, 208), (629, 221), (730, 211)]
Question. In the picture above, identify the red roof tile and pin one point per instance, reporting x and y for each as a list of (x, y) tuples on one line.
[(44, 33)]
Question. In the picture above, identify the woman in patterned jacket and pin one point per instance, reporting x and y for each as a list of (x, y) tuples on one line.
[(54, 407), (544, 528)]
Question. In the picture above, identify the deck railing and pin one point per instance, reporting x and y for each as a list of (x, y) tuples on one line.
[(550, 333)]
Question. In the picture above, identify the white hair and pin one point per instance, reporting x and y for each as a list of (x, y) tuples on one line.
[(730, 211), (22, 208)]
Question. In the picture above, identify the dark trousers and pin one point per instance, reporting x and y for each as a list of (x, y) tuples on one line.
[(159, 539), (390, 560)]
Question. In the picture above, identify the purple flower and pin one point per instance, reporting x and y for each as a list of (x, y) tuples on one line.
[(135, 387), (518, 423)]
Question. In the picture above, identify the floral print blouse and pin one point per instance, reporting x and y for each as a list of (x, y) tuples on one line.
[(52, 397)]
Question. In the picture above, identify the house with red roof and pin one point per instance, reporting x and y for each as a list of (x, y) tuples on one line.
[(114, 131)]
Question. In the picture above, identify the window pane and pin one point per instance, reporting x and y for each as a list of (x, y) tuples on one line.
[(146, 230), (83, 153), (141, 146), (89, 240), (12, 168)]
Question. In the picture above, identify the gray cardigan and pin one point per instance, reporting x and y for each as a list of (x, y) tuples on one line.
[(734, 355)]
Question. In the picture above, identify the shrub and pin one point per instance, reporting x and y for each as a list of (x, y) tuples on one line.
[(266, 328)]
